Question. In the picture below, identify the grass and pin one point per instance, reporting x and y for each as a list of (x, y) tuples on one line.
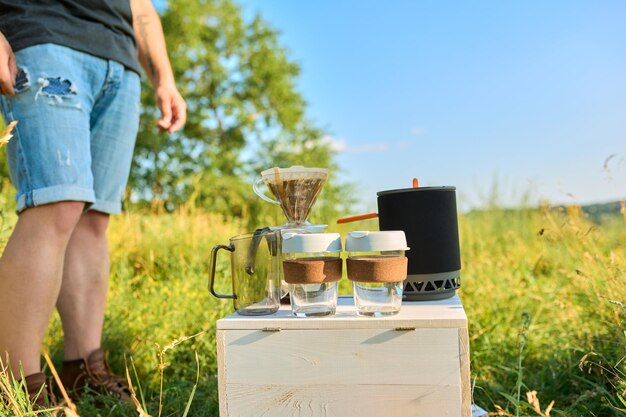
[(544, 291)]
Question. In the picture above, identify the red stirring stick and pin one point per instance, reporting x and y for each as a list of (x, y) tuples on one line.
[(356, 218)]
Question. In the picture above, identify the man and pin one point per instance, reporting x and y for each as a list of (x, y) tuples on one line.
[(69, 75)]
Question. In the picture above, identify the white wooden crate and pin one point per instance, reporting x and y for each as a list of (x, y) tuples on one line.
[(413, 364)]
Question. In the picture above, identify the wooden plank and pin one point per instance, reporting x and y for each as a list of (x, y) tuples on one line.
[(221, 372), (360, 356), (328, 400), (464, 359), (446, 313)]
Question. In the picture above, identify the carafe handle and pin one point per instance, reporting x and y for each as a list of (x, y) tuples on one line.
[(258, 192), (229, 248)]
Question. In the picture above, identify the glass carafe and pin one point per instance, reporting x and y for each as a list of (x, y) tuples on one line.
[(255, 269)]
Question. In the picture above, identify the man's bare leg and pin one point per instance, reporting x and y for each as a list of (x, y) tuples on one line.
[(82, 299), (31, 268)]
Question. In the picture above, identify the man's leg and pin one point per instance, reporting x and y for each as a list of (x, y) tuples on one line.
[(81, 304), (30, 277), (82, 299), (114, 122), (49, 162)]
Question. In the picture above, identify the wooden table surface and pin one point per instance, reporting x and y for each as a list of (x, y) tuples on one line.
[(421, 314)]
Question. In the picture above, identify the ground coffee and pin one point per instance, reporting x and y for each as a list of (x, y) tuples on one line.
[(296, 196)]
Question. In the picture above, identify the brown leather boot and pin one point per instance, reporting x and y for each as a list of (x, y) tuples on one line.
[(39, 391), (95, 373)]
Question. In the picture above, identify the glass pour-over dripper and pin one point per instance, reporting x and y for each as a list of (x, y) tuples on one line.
[(295, 188)]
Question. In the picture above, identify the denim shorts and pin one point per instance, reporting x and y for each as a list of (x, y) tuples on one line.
[(78, 117)]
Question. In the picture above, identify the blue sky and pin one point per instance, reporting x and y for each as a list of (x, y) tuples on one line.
[(529, 94)]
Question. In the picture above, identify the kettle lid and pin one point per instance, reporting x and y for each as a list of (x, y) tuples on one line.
[(417, 190)]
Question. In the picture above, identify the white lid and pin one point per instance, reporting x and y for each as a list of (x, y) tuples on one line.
[(311, 242), (304, 228), (363, 241), (294, 173)]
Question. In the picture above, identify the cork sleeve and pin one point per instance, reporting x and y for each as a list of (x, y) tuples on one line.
[(312, 270), (377, 269)]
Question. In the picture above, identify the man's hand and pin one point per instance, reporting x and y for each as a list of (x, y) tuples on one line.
[(173, 108), (8, 67)]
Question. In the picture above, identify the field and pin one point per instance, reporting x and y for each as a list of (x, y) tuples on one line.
[(544, 292)]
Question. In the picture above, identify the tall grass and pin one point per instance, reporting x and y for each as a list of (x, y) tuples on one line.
[(568, 276), (544, 291)]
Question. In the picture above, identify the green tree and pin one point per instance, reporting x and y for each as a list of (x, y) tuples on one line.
[(244, 115), (239, 85)]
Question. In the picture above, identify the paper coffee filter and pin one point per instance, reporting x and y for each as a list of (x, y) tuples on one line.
[(295, 189), (275, 174)]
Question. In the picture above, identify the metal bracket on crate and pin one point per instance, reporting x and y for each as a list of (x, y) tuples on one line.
[(270, 329)]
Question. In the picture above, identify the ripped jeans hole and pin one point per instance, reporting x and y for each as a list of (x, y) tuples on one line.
[(57, 88), (22, 82)]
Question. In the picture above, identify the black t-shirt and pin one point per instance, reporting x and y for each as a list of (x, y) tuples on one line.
[(99, 27)]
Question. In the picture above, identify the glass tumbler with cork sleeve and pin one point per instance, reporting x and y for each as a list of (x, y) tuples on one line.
[(377, 268), (312, 267)]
